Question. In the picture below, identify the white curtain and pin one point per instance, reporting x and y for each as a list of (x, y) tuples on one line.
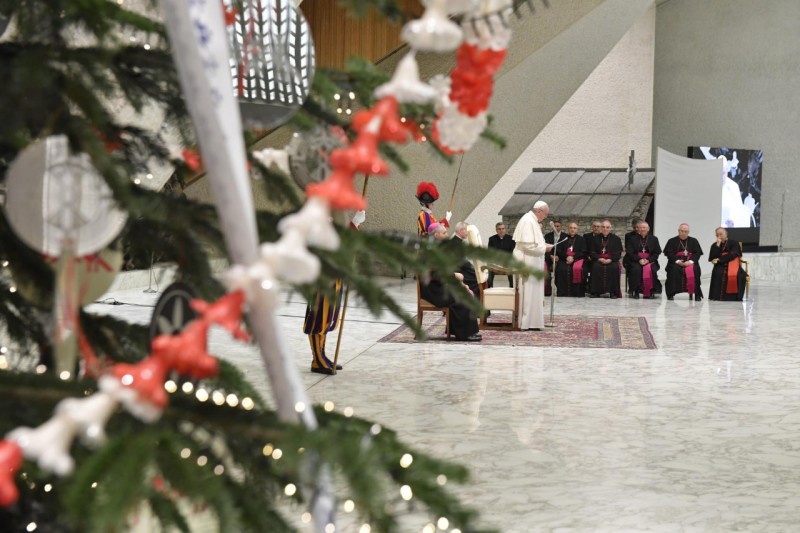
[(690, 191)]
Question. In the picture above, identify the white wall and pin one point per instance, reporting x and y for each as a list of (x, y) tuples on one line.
[(607, 117)]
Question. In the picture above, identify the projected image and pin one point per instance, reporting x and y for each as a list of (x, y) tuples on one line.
[(741, 184)]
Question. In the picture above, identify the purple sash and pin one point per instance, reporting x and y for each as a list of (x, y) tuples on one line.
[(647, 275), (577, 271), (689, 271)]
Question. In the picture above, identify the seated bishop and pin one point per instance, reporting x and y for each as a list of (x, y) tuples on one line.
[(605, 251), (570, 256), (683, 265), (642, 257)]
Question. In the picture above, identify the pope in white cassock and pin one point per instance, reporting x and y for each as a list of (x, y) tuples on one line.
[(530, 249)]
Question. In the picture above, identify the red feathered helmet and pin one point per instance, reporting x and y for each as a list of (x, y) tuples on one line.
[(427, 193)]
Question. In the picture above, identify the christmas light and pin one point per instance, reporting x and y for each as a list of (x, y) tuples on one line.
[(441, 479), (248, 404), (31, 527), (405, 492), (299, 407), (330, 528), (137, 181), (456, 531), (94, 484), (349, 505), (429, 528), (64, 375), (186, 453), (337, 97), (219, 470), (187, 387), (12, 289), (41, 369), (232, 400), (348, 412), (5, 264), (201, 395), (48, 487), (3, 349), (328, 407), (290, 489), (443, 523), (277, 454), (375, 429), (267, 450), (406, 460), (3, 362), (365, 528), (169, 386), (306, 518), (218, 398)]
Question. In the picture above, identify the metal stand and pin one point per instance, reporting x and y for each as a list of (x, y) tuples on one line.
[(150, 289), (552, 323)]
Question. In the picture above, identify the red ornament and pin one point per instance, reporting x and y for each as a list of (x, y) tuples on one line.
[(339, 191), (184, 353), (230, 14), (387, 108), (192, 159), (227, 312), (361, 156), (471, 80), (10, 461)]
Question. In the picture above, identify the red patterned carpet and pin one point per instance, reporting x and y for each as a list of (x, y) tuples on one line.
[(621, 332)]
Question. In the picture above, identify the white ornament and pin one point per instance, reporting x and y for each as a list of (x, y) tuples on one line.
[(130, 399), (434, 32), (459, 132), (405, 84), (90, 415), (290, 259), (270, 156), (314, 223), (441, 83), (48, 444)]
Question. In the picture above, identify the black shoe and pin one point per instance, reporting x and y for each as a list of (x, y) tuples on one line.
[(612, 296), (592, 295), (322, 370), (691, 297), (698, 298), (670, 298), (472, 338), (635, 295)]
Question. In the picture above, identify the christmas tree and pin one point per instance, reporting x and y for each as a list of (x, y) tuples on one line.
[(86, 397)]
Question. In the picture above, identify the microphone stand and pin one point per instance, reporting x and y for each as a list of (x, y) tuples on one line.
[(556, 242)]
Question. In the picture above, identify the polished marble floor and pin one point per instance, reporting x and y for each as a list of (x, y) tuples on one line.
[(702, 434)]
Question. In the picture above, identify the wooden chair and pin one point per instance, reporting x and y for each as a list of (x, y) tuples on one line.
[(746, 272), (496, 298), (424, 305)]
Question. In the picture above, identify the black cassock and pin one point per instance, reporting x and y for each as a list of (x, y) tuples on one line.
[(463, 323), (565, 284), (638, 248), (719, 289), (678, 250), (605, 278), (549, 238), (587, 262)]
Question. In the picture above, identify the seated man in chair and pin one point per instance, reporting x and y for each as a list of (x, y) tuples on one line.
[(463, 323), (683, 265), (728, 279), (569, 263), (642, 252), (605, 251)]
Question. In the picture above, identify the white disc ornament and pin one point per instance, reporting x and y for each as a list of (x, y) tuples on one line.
[(272, 63), (54, 198), (309, 151)]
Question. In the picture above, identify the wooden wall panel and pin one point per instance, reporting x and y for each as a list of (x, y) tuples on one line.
[(339, 35)]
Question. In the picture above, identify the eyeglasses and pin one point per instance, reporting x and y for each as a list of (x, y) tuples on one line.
[(606, 227)]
